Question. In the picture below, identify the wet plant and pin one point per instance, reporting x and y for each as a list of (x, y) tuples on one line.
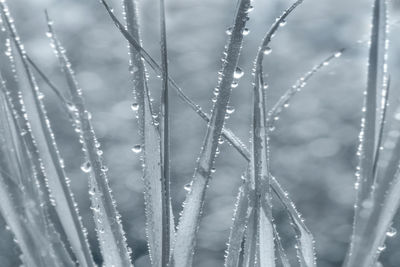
[(37, 202)]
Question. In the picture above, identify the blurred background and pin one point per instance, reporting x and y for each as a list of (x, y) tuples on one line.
[(314, 145)]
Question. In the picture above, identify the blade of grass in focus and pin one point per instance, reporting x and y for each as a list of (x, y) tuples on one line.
[(284, 100), (250, 250), (164, 142), (281, 251), (264, 251), (261, 128), (368, 151), (240, 217), (109, 229), (193, 205), (150, 140)]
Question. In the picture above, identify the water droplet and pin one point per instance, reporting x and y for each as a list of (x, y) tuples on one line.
[(86, 167), (249, 9), (213, 170), (188, 187), (49, 34), (238, 73), (230, 109), (40, 95), (71, 107), (265, 86), (338, 54), (229, 31), (356, 185), (104, 168), (267, 50), (234, 84), (245, 31), (391, 232), (381, 248), (135, 106), (137, 149)]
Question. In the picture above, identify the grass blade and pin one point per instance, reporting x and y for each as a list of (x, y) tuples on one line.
[(236, 235), (250, 251), (150, 139), (386, 192), (189, 221), (260, 156), (304, 238), (284, 100), (282, 254), (12, 193), (164, 145), (369, 136), (108, 225), (67, 215), (374, 85), (379, 147), (26, 181)]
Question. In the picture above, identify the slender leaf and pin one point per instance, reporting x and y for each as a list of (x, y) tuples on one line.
[(66, 220), (304, 239), (193, 205), (284, 100), (305, 246), (278, 244), (149, 138), (236, 235), (164, 145), (108, 225), (24, 189), (250, 250), (369, 136)]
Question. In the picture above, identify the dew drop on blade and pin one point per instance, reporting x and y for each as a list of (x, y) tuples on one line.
[(135, 106), (86, 167), (137, 149), (338, 54), (188, 187), (230, 109), (267, 50), (238, 73), (391, 232)]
